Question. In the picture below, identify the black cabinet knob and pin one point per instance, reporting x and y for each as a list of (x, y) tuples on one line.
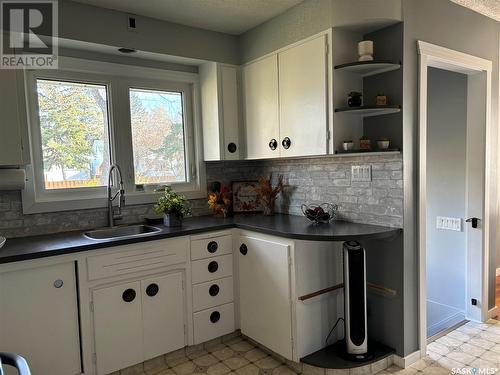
[(212, 247), (213, 290), (128, 295), (213, 266), (243, 249), (286, 143), (152, 290), (215, 316), (273, 144), (231, 147)]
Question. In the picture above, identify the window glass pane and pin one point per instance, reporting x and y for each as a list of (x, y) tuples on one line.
[(157, 136), (74, 134)]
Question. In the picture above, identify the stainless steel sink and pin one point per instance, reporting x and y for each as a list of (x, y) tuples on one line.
[(121, 232)]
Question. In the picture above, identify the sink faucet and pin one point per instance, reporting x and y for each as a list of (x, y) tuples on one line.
[(120, 193)]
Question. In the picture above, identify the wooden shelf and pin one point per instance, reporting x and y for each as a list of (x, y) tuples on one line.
[(368, 68), (370, 110), (368, 153)]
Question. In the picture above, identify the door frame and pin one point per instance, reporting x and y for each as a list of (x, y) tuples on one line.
[(431, 55)]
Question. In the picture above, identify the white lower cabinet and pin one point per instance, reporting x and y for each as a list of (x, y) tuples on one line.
[(139, 320), (39, 317), (265, 292)]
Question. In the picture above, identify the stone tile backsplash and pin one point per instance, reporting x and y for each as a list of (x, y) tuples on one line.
[(309, 180)]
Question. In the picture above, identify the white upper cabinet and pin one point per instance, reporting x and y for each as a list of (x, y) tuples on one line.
[(303, 92), (286, 101), (260, 88), (220, 109), (13, 119)]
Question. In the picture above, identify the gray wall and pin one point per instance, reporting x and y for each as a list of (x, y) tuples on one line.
[(446, 185), (104, 26), (447, 24)]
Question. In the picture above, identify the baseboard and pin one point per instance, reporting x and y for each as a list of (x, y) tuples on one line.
[(493, 313), (450, 321), (404, 362), (498, 271)]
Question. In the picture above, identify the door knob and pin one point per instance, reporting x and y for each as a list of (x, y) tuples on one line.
[(58, 283), (243, 249), (273, 144), (231, 147), (286, 143), (474, 221), (128, 295), (213, 266), (152, 290), (212, 246), (213, 290), (215, 316)]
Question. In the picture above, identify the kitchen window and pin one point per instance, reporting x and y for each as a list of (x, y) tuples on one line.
[(89, 115)]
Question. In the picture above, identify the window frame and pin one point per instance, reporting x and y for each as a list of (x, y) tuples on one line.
[(117, 78)]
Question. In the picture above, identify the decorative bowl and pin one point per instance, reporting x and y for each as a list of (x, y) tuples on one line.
[(322, 213)]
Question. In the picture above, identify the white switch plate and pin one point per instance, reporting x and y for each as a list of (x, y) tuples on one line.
[(449, 223), (361, 173)]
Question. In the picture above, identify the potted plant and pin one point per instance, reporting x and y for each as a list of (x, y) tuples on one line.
[(354, 99), (381, 99), (365, 144), (268, 193), (383, 143), (173, 206)]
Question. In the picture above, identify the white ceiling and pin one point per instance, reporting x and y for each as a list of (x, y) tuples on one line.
[(227, 16), (490, 8)]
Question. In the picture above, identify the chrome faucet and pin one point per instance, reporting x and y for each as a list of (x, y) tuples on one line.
[(120, 193)]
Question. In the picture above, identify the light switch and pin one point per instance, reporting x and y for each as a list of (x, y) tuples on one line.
[(361, 173), (449, 223)]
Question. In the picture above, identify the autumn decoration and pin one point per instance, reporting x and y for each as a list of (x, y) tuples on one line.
[(268, 193), (220, 199)]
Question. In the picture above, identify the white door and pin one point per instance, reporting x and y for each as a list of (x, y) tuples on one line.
[(117, 327), (230, 111), (265, 296), (260, 91), (39, 318), (303, 86), (162, 314)]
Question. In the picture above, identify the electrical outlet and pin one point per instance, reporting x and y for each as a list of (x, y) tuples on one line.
[(361, 173), (449, 223)]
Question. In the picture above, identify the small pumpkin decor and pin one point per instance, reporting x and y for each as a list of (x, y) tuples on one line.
[(220, 199), (173, 206), (354, 99), (268, 193)]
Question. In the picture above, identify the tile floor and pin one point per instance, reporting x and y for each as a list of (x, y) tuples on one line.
[(472, 345)]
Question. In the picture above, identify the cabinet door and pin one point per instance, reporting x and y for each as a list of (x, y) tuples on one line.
[(117, 327), (230, 113), (162, 314), (303, 85), (39, 318), (10, 122), (265, 296), (260, 90)]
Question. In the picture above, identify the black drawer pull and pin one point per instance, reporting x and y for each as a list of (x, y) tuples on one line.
[(273, 144), (286, 143), (128, 295), (212, 247), (243, 249), (215, 316), (213, 266), (231, 147), (152, 290), (213, 290)]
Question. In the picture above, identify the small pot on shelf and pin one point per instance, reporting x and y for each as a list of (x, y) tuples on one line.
[(354, 99), (381, 99), (365, 144), (172, 220), (383, 144), (348, 145)]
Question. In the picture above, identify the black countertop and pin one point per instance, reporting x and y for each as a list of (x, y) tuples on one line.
[(288, 226)]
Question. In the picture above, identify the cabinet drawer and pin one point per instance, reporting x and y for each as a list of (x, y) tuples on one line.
[(137, 257), (210, 247), (212, 323), (212, 293), (212, 268)]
